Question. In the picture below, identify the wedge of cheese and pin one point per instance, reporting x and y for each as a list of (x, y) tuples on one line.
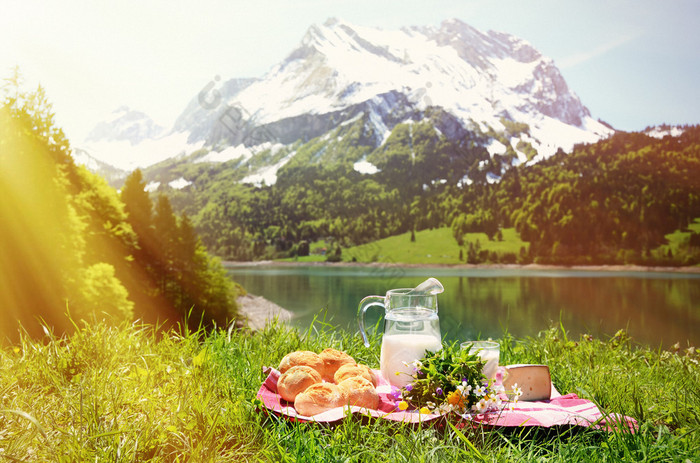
[(533, 380)]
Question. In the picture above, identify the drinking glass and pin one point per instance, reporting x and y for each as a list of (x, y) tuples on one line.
[(489, 351)]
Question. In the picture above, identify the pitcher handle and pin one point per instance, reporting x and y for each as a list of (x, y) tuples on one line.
[(365, 304)]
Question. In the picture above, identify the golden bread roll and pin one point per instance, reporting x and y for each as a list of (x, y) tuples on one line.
[(332, 360), (349, 370), (318, 398), (360, 391), (295, 380), (302, 357)]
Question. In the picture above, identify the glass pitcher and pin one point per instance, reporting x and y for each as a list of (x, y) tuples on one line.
[(411, 326)]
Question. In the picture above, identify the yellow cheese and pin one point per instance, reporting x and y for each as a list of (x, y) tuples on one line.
[(533, 380)]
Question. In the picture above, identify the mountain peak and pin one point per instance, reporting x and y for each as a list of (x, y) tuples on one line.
[(474, 75), (486, 82), (332, 21), (125, 124)]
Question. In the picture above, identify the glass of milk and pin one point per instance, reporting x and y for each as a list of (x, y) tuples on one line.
[(411, 326), (489, 351)]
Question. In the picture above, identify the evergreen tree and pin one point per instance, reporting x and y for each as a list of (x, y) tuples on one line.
[(165, 232), (181, 276), (186, 246), (146, 284), (50, 263), (137, 205)]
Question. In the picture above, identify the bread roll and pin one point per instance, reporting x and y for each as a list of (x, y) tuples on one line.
[(302, 357), (318, 398), (295, 380), (359, 391), (349, 370), (332, 360)]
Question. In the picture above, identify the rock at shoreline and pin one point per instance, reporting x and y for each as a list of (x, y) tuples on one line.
[(258, 311)]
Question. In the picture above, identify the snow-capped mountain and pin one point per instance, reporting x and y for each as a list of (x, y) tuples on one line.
[(125, 124), (129, 139), (341, 73), (113, 175), (481, 78)]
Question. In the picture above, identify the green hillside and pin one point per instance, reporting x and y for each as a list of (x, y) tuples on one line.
[(611, 202)]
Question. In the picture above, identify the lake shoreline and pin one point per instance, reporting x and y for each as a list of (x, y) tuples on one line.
[(258, 312), (654, 306), (533, 267)]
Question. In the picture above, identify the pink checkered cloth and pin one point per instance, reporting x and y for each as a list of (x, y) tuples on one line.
[(559, 410), (562, 410)]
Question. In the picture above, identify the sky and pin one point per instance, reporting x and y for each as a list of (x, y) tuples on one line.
[(633, 63)]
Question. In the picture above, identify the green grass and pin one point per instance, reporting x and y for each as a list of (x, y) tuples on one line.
[(317, 253), (680, 238), (133, 394), (436, 246), (677, 248)]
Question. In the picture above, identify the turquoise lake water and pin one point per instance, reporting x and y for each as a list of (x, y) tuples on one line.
[(657, 309)]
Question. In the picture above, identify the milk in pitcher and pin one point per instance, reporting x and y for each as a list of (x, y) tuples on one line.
[(399, 351), (409, 333)]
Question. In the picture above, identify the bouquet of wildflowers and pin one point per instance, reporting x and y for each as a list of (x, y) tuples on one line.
[(451, 380)]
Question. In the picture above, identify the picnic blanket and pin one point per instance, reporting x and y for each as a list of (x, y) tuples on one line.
[(559, 410)]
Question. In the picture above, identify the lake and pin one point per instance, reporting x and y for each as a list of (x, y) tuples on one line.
[(656, 308)]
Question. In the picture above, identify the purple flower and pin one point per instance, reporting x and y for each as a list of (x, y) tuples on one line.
[(438, 391), (409, 387), (395, 392)]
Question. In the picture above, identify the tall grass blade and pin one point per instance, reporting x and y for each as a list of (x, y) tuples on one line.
[(460, 435)]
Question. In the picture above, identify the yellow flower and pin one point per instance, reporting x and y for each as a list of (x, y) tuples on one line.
[(403, 405), (397, 373), (424, 410), (456, 399)]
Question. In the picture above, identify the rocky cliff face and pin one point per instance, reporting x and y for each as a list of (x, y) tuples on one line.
[(203, 111)]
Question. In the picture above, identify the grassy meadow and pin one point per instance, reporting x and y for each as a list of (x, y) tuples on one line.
[(679, 238), (133, 393), (439, 247), (436, 246)]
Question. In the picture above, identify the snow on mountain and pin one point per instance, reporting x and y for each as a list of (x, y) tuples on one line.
[(365, 167), (268, 174), (227, 154), (179, 183), (124, 155), (128, 139), (112, 174), (176, 184), (661, 131), (125, 124), (475, 76), (342, 73)]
